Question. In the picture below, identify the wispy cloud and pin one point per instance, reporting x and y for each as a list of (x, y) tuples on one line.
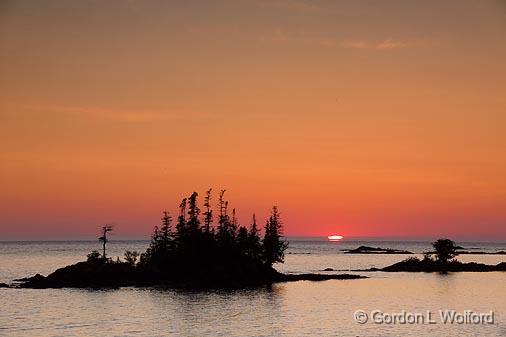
[(382, 45), (279, 35), (125, 116)]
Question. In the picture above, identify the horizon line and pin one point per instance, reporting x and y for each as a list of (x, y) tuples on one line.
[(288, 237)]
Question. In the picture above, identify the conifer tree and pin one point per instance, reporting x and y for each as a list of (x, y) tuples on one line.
[(208, 214), (273, 245), (165, 230), (181, 220), (161, 241), (193, 214), (254, 244), (186, 249), (234, 224), (223, 220), (242, 239)]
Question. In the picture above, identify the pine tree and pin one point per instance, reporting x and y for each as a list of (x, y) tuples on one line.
[(273, 245), (193, 214), (165, 230), (254, 245), (242, 240), (223, 220), (234, 224), (190, 248), (156, 238), (181, 220), (160, 246), (208, 214)]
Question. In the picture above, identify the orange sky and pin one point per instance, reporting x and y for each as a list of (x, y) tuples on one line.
[(361, 118)]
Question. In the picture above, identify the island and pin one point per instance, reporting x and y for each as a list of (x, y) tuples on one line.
[(426, 265), (195, 254), (440, 260), (375, 250)]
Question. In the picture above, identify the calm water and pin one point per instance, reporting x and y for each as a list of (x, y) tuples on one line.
[(289, 309)]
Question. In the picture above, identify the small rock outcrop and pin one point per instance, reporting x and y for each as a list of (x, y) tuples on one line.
[(429, 265), (376, 250)]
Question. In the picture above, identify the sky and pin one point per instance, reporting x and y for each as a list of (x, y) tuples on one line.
[(359, 118)]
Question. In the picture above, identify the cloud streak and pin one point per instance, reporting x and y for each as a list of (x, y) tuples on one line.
[(387, 44), (115, 115), (279, 35)]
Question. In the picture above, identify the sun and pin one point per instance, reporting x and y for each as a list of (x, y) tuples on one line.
[(335, 237)]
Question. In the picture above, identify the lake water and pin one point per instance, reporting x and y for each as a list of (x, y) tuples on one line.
[(286, 309)]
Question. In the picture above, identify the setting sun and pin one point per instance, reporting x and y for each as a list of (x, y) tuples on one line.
[(335, 237)]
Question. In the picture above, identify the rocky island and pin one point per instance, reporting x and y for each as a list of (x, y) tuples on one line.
[(375, 250), (428, 265), (440, 260), (195, 254)]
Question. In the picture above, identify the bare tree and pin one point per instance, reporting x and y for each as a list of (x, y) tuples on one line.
[(105, 229)]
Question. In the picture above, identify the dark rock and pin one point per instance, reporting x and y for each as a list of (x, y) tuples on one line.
[(375, 250), (116, 274), (465, 252), (36, 278), (328, 269), (501, 266), (374, 269), (428, 265), (4, 285), (316, 277), (84, 275)]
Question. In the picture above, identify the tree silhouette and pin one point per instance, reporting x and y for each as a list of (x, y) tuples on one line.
[(242, 239), (445, 250), (165, 229), (131, 257), (105, 229), (193, 214), (274, 248), (94, 256), (208, 214), (161, 239), (181, 220), (162, 242), (234, 224), (254, 247), (225, 234), (193, 254), (231, 253)]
